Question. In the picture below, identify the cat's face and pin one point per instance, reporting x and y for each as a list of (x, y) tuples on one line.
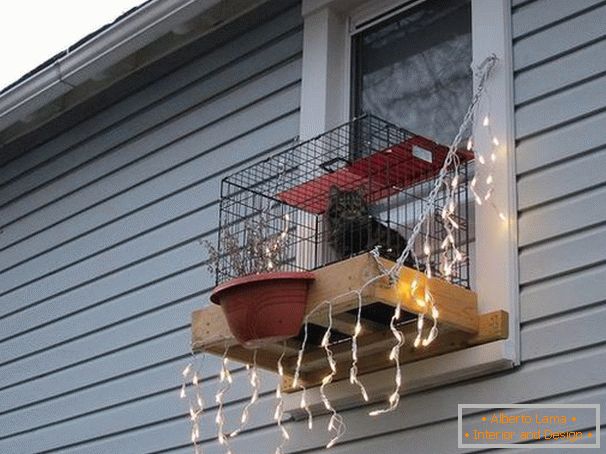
[(346, 205)]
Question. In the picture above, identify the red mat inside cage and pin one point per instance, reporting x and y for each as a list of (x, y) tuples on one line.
[(380, 174)]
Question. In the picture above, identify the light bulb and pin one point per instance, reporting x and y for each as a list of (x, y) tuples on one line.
[(357, 329), (435, 313), (420, 321), (426, 249)]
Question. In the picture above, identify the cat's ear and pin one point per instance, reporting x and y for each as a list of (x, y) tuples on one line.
[(334, 191)]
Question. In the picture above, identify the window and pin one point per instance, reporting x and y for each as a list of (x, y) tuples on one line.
[(361, 55), (414, 69)]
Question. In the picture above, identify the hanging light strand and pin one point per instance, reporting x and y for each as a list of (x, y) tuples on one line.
[(335, 423), (279, 412), (353, 371), (394, 356), (255, 383), (191, 372), (296, 380), (225, 379)]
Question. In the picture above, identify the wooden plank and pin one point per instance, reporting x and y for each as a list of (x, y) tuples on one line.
[(457, 305), (374, 349), (209, 329), (265, 359), (345, 323), (460, 325), (341, 278)]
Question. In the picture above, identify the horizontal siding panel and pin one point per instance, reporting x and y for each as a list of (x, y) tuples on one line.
[(156, 188), (563, 255), (77, 145), (441, 435), (577, 290), (568, 177), (560, 108), (559, 39), (531, 382), (89, 297), (573, 330), (159, 139), (562, 217), (101, 264), (561, 144), (148, 439), (539, 380), (121, 391), (74, 403), (571, 69), (541, 13), (43, 350), (149, 353), (141, 414), (67, 279)]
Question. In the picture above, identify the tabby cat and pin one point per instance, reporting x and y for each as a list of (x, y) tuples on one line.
[(353, 229)]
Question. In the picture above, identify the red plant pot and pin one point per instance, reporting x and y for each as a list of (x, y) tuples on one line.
[(265, 307)]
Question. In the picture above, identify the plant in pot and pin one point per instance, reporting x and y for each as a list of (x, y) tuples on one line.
[(263, 303)]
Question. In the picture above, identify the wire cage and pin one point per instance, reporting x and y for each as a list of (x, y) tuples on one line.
[(342, 193)]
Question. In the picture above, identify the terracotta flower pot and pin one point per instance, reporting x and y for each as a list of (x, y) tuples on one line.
[(265, 307)]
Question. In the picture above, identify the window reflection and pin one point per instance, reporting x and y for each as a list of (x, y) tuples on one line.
[(414, 69)]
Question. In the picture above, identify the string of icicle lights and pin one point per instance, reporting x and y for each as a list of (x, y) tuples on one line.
[(447, 180)]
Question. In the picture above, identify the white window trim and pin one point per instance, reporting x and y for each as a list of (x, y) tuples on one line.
[(325, 98)]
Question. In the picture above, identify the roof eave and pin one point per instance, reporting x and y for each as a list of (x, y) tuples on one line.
[(104, 59)]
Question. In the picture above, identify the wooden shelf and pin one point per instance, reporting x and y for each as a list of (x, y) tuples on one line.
[(460, 324)]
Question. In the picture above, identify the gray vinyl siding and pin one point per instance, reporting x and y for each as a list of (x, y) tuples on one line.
[(100, 264)]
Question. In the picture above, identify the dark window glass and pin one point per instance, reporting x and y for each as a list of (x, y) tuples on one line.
[(414, 69)]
